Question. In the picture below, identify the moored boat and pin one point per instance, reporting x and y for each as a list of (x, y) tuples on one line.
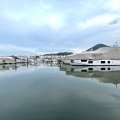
[(105, 56)]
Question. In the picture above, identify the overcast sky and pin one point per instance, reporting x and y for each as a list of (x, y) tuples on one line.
[(43, 26)]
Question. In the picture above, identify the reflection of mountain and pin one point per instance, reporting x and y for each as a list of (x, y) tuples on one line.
[(106, 74)]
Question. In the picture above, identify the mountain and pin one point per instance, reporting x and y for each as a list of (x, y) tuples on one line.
[(60, 53), (97, 47)]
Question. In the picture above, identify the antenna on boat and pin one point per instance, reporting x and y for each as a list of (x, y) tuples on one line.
[(116, 45)]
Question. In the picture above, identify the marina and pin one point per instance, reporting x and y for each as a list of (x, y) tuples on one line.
[(59, 60), (49, 91), (30, 59)]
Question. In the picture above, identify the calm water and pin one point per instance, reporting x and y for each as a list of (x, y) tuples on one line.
[(59, 93)]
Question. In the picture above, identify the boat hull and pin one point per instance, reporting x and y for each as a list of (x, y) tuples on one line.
[(95, 63)]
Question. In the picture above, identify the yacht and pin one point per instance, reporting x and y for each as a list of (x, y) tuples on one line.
[(105, 56)]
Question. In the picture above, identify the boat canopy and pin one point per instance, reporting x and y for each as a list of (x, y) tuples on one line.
[(104, 53)]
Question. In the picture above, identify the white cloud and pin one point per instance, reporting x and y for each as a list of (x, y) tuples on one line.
[(33, 16), (55, 21), (98, 21), (9, 49), (12, 49), (77, 50), (113, 5), (46, 22), (8, 46)]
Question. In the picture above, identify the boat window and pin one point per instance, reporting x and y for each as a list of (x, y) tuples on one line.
[(83, 70), (90, 61), (102, 68), (3, 66), (108, 61), (72, 61), (83, 60), (102, 62), (108, 68), (90, 69)]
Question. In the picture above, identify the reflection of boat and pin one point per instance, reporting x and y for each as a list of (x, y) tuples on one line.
[(4, 67), (11, 66), (95, 68), (89, 68), (106, 74), (105, 56)]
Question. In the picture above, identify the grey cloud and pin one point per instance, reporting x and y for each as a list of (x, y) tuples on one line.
[(66, 38)]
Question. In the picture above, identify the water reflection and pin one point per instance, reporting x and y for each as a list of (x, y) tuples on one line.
[(42, 92), (7, 67), (105, 74)]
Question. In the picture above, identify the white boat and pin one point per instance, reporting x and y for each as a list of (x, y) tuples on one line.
[(105, 56), (95, 62)]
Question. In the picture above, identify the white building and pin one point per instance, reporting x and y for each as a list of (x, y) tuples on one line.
[(7, 60)]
